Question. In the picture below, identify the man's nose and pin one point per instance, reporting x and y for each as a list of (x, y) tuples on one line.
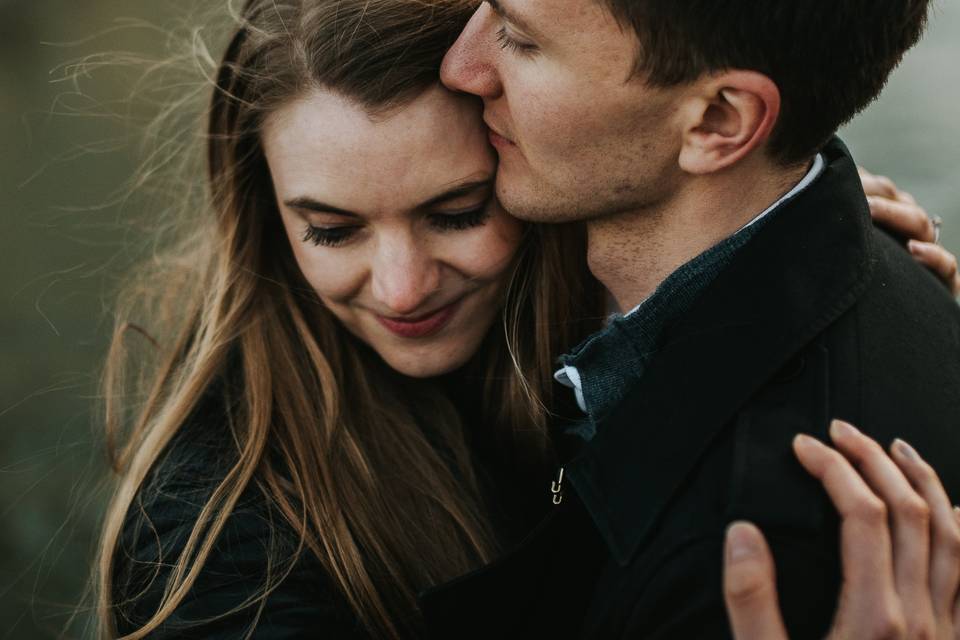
[(404, 277), (469, 64)]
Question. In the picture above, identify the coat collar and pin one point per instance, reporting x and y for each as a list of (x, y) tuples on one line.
[(800, 273)]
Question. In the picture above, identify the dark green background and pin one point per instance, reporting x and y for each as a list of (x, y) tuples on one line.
[(63, 243)]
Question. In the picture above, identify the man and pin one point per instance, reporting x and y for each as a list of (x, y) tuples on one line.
[(695, 141)]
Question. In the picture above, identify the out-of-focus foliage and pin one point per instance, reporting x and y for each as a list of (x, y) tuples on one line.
[(67, 149)]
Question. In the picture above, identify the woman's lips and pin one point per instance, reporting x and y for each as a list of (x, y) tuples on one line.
[(422, 326)]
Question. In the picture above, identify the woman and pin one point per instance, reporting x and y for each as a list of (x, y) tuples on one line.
[(351, 394)]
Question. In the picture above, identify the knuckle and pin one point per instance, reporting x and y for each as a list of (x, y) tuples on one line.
[(914, 509), (950, 540), (871, 510), (878, 204), (886, 186), (888, 626), (921, 631), (747, 586)]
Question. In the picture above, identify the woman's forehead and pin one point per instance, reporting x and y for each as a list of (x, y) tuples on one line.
[(326, 147)]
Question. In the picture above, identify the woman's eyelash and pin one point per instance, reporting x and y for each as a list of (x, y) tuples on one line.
[(506, 42), (332, 237), (463, 220), (336, 236)]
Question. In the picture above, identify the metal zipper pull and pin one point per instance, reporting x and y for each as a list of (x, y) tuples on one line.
[(556, 488)]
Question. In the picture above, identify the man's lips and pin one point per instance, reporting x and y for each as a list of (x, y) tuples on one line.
[(497, 139), (421, 326)]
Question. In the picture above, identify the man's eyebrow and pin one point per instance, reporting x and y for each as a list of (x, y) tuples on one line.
[(511, 17)]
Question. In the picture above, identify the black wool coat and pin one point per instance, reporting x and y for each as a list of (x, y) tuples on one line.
[(819, 316)]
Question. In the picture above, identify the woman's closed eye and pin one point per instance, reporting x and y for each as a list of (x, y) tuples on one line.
[(328, 236), (335, 236), (460, 220)]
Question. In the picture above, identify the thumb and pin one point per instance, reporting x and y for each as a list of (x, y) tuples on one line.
[(749, 585)]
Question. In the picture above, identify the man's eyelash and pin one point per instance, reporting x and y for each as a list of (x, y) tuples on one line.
[(508, 43)]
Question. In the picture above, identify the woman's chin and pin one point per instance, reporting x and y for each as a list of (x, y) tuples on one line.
[(425, 366)]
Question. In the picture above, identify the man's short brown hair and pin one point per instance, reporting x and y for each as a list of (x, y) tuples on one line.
[(829, 58)]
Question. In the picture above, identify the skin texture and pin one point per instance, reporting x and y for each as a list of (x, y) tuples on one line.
[(398, 263), (900, 540), (584, 141), (659, 174), (401, 259)]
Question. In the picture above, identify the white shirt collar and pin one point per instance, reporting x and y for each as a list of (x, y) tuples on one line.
[(569, 376)]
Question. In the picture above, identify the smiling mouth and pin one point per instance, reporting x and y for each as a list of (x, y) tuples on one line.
[(421, 326)]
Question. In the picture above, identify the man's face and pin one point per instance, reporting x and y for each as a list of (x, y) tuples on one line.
[(578, 137)]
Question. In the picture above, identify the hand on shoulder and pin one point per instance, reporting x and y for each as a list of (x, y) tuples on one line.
[(899, 212), (900, 541)]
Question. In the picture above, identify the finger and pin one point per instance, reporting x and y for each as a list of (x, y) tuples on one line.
[(945, 551), (874, 185), (907, 219), (903, 196), (939, 260), (868, 583), (749, 585), (910, 515)]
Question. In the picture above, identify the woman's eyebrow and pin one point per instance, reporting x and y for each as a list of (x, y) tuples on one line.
[(458, 191), (306, 203), (309, 204)]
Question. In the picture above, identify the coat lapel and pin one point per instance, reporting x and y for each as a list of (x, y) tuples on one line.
[(799, 274)]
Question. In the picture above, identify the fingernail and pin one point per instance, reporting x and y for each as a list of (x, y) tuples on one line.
[(914, 246), (803, 441), (956, 510), (839, 428), (905, 450), (742, 541)]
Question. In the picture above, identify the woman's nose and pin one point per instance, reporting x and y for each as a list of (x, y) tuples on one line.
[(405, 277)]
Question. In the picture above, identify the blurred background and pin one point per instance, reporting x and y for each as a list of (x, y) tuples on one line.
[(68, 148)]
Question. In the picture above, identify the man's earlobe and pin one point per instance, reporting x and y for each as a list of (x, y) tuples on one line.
[(731, 117)]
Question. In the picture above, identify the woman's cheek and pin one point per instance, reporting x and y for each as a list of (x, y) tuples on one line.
[(505, 237), (332, 276)]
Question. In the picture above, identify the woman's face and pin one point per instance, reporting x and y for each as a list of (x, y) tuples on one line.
[(394, 223)]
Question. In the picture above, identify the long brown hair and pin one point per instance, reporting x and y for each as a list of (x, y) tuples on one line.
[(370, 470)]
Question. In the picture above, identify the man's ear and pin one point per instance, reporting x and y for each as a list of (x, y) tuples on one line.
[(727, 116)]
